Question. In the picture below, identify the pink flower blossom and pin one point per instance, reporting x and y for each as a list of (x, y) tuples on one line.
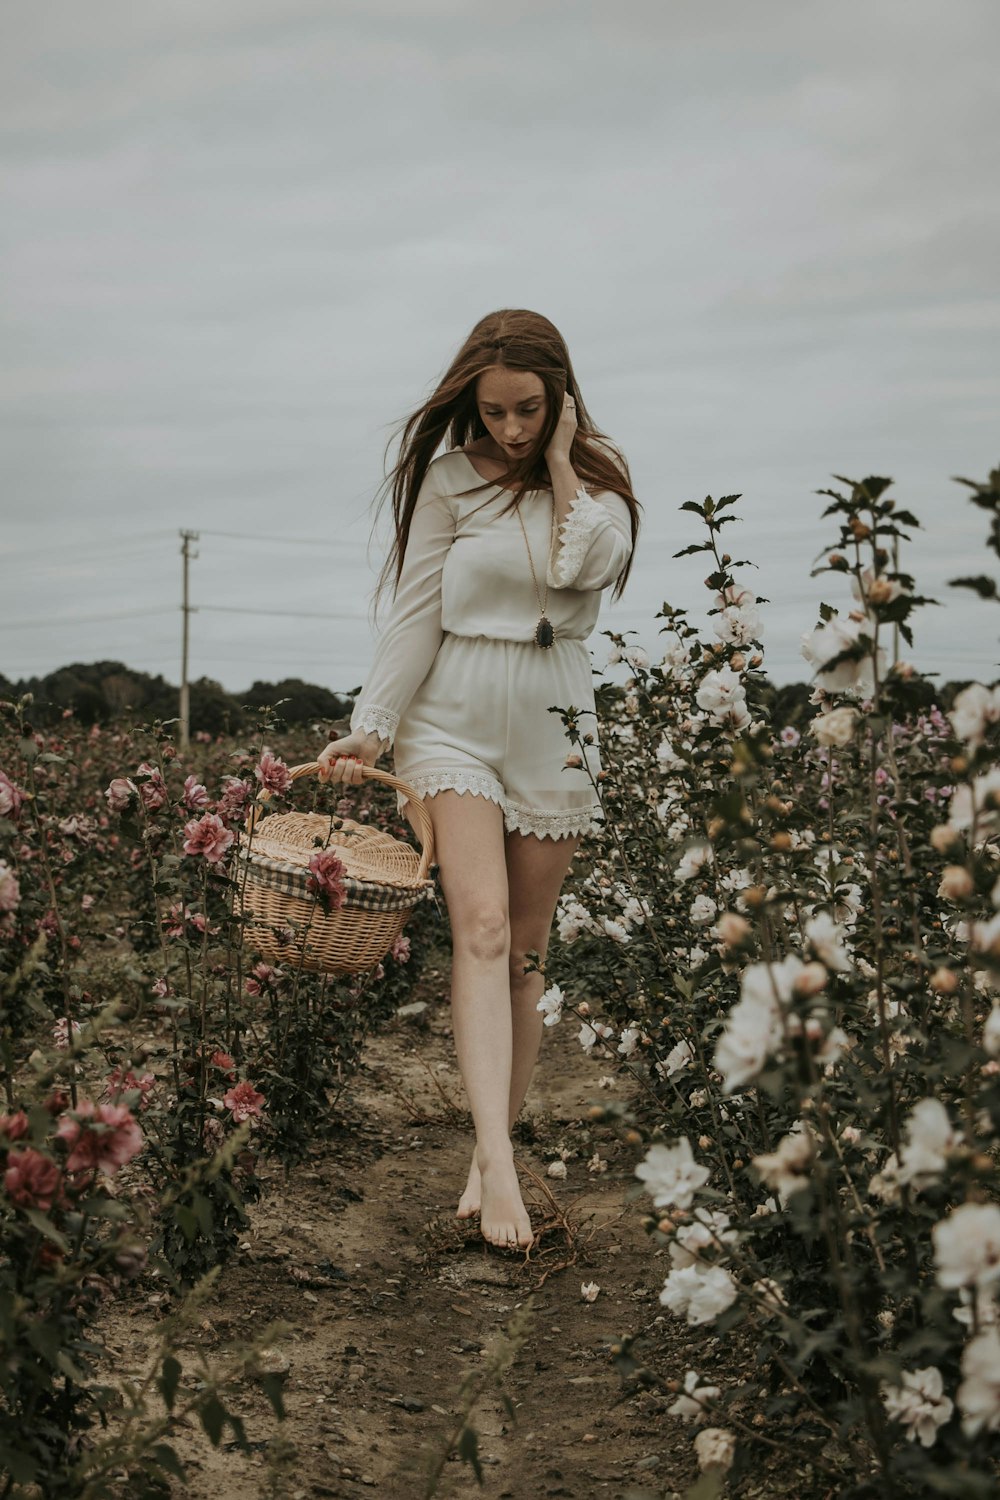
[(243, 1101), (103, 1136), (272, 773), (195, 794), (208, 836), (11, 797), (120, 793), (125, 1082), (153, 790), (161, 988), (32, 1180), (231, 804), (327, 878), (14, 1127), (400, 949), (86, 902), (224, 1061), (10, 891), (61, 1032)]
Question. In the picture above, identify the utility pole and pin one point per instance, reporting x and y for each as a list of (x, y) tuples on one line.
[(187, 537)]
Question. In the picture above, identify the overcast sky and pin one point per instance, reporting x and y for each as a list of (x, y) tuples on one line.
[(240, 240)]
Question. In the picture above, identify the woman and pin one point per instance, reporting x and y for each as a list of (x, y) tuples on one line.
[(493, 604)]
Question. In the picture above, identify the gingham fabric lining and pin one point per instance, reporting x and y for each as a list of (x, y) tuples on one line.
[(292, 880)]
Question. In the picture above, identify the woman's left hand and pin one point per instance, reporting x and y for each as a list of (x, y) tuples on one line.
[(561, 442)]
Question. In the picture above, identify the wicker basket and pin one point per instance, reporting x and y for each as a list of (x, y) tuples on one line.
[(385, 880)]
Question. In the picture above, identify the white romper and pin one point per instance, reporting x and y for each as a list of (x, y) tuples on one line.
[(457, 684)]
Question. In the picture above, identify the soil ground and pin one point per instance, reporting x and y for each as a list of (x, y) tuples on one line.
[(392, 1302)]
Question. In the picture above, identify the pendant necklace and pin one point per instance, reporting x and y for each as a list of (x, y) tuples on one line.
[(544, 633)]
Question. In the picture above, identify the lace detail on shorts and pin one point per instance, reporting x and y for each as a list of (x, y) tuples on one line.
[(575, 534), (374, 720), (457, 780), (556, 825)]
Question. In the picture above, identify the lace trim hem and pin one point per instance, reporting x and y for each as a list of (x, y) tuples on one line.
[(374, 720), (476, 782), (552, 825), (517, 819), (575, 534)]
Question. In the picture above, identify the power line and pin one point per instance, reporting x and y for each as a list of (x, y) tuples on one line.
[(294, 541), (292, 614), (121, 614)]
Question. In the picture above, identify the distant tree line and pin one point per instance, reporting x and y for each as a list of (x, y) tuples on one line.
[(105, 691)]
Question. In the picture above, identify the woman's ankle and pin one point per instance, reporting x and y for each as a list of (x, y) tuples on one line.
[(494, 1153)]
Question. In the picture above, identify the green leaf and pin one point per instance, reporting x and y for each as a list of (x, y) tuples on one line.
[(213, 1419), (272, 1387), (468, 1450), (163, 1455), (45, 1227), (170, 1376)]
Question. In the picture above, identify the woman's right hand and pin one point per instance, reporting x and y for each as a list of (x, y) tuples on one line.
[(342, 760)]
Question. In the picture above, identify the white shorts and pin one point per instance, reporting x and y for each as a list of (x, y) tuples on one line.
[(479, 723)]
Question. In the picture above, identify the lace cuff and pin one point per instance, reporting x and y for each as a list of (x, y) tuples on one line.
[(371, 719), (576, 532)]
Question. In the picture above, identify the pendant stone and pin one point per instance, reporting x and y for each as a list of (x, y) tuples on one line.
[(544, 634)]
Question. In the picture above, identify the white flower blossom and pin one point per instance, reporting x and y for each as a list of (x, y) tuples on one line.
[(551, 1004), (636, 657), (723, 696), (701, 1295), (786, 1169), (695, 1400), (738, 625), (693, 861), (615, 930), (836, 728), (827, 942), (629, 1040), (919, 1404), (930, 1141), (978, 1396), (715, 1448), (680, 1056), (967, 1246), (706, 1231), (671, 1174), (991, 1032), (975, 708), (590, 1032), (979, 803), (703, 909), (828, 641), (589, 1291)]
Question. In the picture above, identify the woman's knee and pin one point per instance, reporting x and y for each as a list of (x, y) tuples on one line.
[(482, 930)]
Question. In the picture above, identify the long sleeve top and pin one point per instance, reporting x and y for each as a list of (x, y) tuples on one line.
[(465, 571)]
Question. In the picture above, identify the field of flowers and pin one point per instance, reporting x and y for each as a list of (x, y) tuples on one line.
[(794, 937)]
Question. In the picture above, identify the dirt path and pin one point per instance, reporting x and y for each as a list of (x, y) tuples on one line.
[(392, 1303)]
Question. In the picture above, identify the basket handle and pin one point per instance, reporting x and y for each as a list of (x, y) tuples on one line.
[(425, 827)]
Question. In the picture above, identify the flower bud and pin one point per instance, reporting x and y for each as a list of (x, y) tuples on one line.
[(944, 838), (810, 980), (957, 883), (733, 929), (944, 981)]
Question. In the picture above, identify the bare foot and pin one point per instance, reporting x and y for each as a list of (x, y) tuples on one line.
[(471, 1200), (503, 1217)]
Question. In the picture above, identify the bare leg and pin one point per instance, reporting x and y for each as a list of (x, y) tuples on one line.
[(469, 848), (536, 870)]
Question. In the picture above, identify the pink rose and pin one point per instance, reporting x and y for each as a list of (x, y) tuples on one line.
[(120, 793), (61, 1032), (125, 1082), (196, 797), (233, 800), (272, 773), (10, 891), (400, 949), (103, 1136), (327, 879), (14, 1126), (243, 1101), (31, 1179), (208, 836), (11, 797), (153, 790)]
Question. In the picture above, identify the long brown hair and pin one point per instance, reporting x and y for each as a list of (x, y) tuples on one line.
[(518, 340)]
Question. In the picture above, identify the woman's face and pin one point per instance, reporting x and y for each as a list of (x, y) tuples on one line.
[(513, 406)]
